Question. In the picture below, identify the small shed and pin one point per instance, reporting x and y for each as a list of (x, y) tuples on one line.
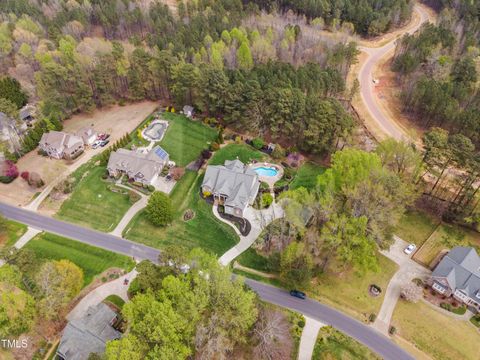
[(188, 111)]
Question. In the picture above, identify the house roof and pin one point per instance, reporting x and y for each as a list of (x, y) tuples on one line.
[(59, 140), (461, 269), (138, 164), (86, 132), (233, 180), (27, 111), (5, 121), (88, 334)]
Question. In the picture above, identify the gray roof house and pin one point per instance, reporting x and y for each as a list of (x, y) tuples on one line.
[(88, 334), (27, 113), (140, 167), (61, 145), (88, 135), (458, 274), (233, 184)]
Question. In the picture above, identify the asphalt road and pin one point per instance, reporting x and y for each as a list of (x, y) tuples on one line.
[(364, 334), (367, 92), (84, 235), (357, 330)]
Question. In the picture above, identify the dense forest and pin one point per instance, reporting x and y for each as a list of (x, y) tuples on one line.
[(266, 74), (437, 69), (369, 17)]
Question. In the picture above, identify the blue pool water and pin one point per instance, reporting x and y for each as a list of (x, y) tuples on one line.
[(264, 171)]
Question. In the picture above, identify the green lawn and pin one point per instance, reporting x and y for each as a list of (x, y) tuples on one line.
[(92, 204), (338, 346), (185, 139), (91, 259), (204, 230), (434, 333), (14, 232), (243, 152), (446, 237), (416, 226), (115, 300), (307, 176)]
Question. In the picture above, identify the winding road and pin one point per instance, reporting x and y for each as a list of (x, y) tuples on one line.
[(311, 308), (367, 89)]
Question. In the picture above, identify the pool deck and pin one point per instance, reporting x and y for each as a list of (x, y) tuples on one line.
[(270, 180), (156, 121)]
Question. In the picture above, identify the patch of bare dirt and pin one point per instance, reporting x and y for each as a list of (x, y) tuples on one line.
[(116, 120)]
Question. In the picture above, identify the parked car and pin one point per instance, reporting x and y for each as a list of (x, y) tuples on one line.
[(410, 249), (103, 136), (298, 294), (96, 144), (104, 143)]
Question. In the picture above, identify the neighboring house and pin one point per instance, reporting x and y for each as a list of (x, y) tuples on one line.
[(89, 334), (11, 132), (140, 167), (233, 185), (27, 113), (61, 145), (458, 275), (188, 111), (88, 135)]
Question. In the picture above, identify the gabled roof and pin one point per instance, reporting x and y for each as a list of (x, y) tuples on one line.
[(461, 269), (233, 180), (137, 164), (88, 334)]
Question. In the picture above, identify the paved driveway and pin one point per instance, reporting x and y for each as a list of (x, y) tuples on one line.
[(408, 270)]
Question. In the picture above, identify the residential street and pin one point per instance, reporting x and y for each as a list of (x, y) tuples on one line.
[(361, 332), (369, 97), (84, 235), (311, 308)]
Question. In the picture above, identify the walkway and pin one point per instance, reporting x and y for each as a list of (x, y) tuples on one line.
[(259, 219), (29, 235), (134, 209), (115, 287), (309, 338), (408, 270)]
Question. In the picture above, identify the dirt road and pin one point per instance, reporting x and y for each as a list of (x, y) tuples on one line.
[(383, 124)]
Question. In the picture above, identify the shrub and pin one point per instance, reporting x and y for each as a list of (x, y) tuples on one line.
[(35, 180), (151, 188), (24, 175), (105, 175), (258, 143), (393, 330), (220, 137), (121, 102), (372, 318), (278, 152), (177, 173), (301, 323), (11, 170), (267, 200), (159, 209), (6, 179), (238, 139), (264, 186), (214, 146)]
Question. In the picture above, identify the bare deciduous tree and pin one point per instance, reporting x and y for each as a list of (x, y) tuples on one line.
[(412, 292), (273, 337)]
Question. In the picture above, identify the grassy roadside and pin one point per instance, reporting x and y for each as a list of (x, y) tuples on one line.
[(14, 232), (90, 259)]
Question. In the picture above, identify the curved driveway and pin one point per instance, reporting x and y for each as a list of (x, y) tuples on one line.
[(365, 77)]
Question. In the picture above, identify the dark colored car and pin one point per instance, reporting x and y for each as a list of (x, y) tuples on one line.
[(298, 294)]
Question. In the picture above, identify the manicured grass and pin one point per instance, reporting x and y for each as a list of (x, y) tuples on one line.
[(338, 346), (185, 139), (416, 226), (250, 258), (435, 333), (14, 232), (115, 300), (444, 238), (92, 204), (349, 291), (243, 152), (204, 230), (91, 259), (307, 176), (475, 321)]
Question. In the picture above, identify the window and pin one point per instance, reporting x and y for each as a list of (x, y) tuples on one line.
[(438, 288)]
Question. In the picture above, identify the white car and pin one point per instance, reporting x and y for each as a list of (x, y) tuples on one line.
[(96, 144), (410, 249)]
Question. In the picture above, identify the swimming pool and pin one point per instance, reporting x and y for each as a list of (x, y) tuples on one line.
[(266, 171)]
